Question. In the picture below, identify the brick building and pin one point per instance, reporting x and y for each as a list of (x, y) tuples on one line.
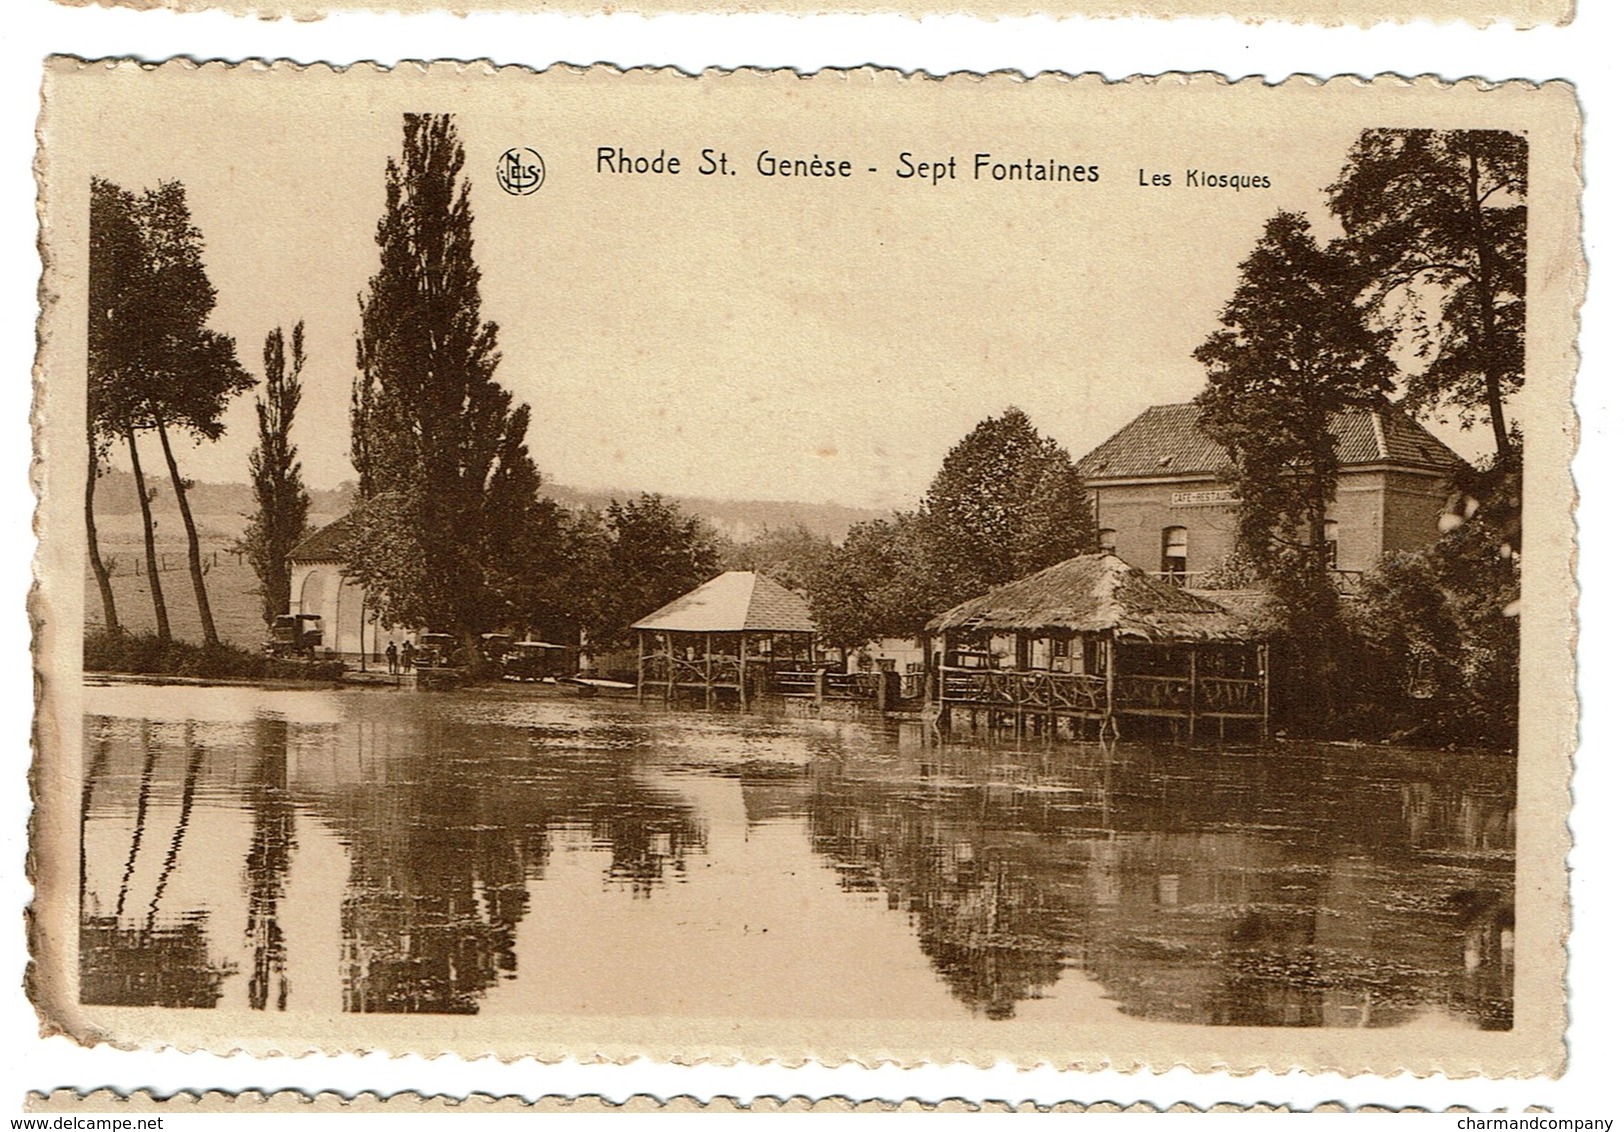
[(1164, 504)]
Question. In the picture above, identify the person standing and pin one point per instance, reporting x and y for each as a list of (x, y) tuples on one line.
[(392, 655), (408, 654)]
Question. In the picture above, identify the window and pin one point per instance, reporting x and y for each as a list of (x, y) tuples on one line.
[(1330, 543), (1108, 537), (1175, 554)]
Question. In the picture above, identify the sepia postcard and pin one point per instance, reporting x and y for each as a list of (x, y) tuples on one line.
[(856, 567)]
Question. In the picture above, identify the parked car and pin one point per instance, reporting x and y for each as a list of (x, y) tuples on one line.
[(494, 647), (537, 660), (435, 650), (295, 635)]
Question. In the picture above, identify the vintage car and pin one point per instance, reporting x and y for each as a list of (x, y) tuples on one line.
[(537, 660), (435, 650), (494, 647), (295, 635)]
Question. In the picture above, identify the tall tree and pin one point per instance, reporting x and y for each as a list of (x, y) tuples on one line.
[(154, 363), (115, 256), (193, 372), (1437, 222), (1292, 351), (124, 346), (1006, 503), (282, 505), (445, 477)]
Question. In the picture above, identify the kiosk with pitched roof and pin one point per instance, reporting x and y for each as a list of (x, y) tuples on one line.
[(727, 637), (1095, 639)]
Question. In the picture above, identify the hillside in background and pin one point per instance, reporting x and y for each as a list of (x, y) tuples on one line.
[(222, 508)]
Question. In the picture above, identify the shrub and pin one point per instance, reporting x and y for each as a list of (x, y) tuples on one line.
[(143, 654)]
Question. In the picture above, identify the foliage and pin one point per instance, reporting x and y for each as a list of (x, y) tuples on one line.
[(791, 556), (282, 512), (639, 555), (1437, 633), (146, 654), (154, 365), (447, 504), (1437, 224), (1291, 353), (877, 584), (1006, 503)]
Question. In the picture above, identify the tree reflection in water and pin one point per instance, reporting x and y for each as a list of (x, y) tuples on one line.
[(1305, 886), (161, 957), (1298, 886), (447, 825), (269, 854)]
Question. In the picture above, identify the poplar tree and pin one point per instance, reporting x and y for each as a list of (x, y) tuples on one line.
[(447, 488), (282, 508)]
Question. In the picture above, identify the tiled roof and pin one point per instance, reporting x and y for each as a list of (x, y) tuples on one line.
[(324, 545), (1166, 440), (738, 600), (1094, 593)]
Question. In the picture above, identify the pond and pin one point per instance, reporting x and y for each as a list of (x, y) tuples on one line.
[(513, 852)]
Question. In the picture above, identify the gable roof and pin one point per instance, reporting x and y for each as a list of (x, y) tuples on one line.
[(1166, 440), (1095, 593), (736, 601), (324, 545)]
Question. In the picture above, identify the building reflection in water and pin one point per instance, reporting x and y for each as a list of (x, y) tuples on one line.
[(1303, 887)]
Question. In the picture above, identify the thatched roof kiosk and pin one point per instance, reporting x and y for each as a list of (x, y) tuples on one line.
[(1095, 638), (723, 636)]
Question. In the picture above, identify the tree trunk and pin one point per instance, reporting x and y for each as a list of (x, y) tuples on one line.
[(160, 611), (104, 581), (1485, 298), (194, 557)]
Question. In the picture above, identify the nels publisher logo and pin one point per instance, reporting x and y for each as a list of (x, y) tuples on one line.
[(521, 171)]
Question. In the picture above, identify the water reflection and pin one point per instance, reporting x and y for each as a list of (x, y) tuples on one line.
[(404, 853), (1301, 887)]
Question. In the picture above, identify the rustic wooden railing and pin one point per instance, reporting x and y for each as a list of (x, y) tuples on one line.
[(1024, 690), (1213, 695)]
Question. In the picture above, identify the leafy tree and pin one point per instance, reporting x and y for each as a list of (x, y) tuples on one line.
[(1006, 503), (283, 505), (115, 257), (1437, 223), (1291, 353), (154, 364), (879, 583), (448, 491), (790, 556), (194, 370), (1437, 629), (651, 552)]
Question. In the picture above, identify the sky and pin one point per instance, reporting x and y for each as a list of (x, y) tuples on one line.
[(743, 336)]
